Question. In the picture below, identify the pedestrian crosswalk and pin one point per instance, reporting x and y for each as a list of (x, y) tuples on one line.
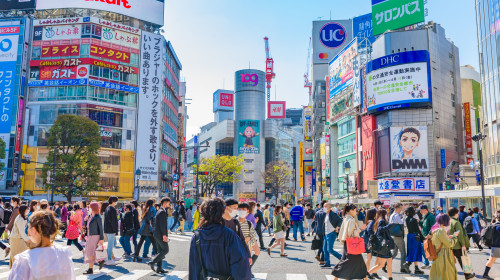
[(181, 237)]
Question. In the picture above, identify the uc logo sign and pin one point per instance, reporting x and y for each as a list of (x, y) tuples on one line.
[(250, 78), (332, 35)]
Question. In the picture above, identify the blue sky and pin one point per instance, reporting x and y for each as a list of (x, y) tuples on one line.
[(215, 38)]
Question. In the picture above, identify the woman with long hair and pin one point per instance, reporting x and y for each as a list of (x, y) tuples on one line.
[(95, 237), (43, 260), (104, 205), (279, 234), (382, 228), (369, 223), (18, 237), (350, 266), (251, 212), (414, 241), (76, 220), (146, 230)]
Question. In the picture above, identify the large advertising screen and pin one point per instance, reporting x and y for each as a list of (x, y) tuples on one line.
[(398, 80), (249, 137), (6, 5), (395, 14), (340, 69), (149, 115), (409, 149), (9, 40), (147, 10)]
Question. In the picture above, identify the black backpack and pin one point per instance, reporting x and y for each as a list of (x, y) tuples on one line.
[(488, 234), (468, 226), (6, 216)]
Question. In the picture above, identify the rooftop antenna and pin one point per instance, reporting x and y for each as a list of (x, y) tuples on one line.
[(223, 83), (275, 92), (330, 14), (249, 65)]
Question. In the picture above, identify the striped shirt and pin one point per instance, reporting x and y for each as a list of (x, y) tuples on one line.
[(248, 231)]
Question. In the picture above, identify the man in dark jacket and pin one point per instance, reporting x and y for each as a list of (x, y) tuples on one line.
[(111, 228), (137, 225), (428, 220), (259, 217), (14, 201), (161, 235), (332, 223), (320, 230), (223, 254), (182, 215), (462, 214), (231, 222)]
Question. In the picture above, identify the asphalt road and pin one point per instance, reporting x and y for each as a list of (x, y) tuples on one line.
[(299, 265)]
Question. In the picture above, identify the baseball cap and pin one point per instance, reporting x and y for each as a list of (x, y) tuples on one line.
[(422, 207)]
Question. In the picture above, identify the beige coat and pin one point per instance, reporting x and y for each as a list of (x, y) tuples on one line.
[(350, 228), (18, 239)]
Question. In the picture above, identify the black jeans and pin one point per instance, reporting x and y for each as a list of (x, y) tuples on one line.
[(320, 250), (141, 241), (162, 252), (475, 237), (2, 229), (258, 229), (77, 244), (176, 221)]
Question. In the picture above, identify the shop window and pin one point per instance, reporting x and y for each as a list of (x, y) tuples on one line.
[(85, 50), (94, 70), (86, 30), (36, 52), (134, 59), (105, 73)]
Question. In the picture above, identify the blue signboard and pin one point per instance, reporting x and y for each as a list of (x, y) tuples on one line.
[(362, 27), (175, 177), (398, 80), (332, 35), (314, 180), (62, 82), (104, 84), (443, 158)]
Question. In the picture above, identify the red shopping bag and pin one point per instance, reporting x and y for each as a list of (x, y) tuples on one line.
[(355, 245)]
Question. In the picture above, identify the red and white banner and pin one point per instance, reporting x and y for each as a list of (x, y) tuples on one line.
[(109, 53), (57, 73), (80, 61), (121, 38), (58, 51)]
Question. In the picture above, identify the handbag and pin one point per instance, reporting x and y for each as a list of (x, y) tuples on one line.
[(397, 230), (101, 252), (379, 245), (205, 274), (355, 245), (466, 262), (72, 231), (315, 243)]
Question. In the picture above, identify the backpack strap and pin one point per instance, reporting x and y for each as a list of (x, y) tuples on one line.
[(198, 248)]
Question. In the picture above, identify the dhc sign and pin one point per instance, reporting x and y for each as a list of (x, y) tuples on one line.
[(332, 35)]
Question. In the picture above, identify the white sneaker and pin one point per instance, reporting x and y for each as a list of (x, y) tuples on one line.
[(117, 259), (110, 262)]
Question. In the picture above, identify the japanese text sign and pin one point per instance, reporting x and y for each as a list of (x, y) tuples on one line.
[(395, 14), (404, 185), (468, 128), (340, 69), (61, 32), (109, 53), (56, 73), (150, 98), (120, 38), (58, 51), (362, 27)]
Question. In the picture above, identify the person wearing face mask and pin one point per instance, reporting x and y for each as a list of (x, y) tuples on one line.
[(18, 237), (44, 260), (231, 222), (248, 231)]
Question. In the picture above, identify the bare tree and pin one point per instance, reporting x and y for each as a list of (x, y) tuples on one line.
[(277, 177)]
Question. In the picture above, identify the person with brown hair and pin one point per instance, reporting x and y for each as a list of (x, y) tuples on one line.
[(18, 237), (279, 234), (43, 261), (95, 236), (382, 228)]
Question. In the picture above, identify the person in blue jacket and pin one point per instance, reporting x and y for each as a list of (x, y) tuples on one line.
[(220, 252), (297, 217)]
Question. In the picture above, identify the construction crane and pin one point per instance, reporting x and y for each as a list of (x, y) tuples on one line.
[(269, 69), (307, 83)]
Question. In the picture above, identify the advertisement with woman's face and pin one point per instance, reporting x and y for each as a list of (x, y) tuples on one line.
[(409, 149)]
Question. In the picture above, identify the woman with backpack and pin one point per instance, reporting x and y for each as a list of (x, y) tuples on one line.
[(443, 266), (495, 247), (370, 223), (471, 226), (382, 232), (127, 230), (146, 230)]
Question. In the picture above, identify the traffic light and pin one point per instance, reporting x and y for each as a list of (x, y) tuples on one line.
[(73, 191), (203, 173)]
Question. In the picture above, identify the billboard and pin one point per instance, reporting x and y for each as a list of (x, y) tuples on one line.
[(17, 5), (147, 10), (110, 53), (340, 69), (9, 40), (249, 137), (404, 185), (61, 32), (468, 128), (150, 96), (63, 50), (398, 80), (409, 149), (121, 38), (329, 38), (308, 176), (362, 27), (276, 109), (57, 72), (223, 100), (79, 61), (395, 14), (307, 123)]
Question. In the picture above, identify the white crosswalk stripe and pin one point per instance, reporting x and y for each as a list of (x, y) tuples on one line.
[(134, 275), (176, 275), (98, 273), (296, 276), (260, 276), (329, 277)]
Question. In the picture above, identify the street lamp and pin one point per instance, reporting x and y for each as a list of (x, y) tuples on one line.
[(137, 174), (347, 170), (479, 138)]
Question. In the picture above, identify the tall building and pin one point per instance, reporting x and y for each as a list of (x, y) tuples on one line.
[(90, 59), (472, 108)]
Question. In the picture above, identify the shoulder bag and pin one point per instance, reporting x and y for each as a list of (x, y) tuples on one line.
[(204, 273), (315, 243)]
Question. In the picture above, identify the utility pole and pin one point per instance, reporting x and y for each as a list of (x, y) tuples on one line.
[(179, 173), (53, 176), (479, 139)]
